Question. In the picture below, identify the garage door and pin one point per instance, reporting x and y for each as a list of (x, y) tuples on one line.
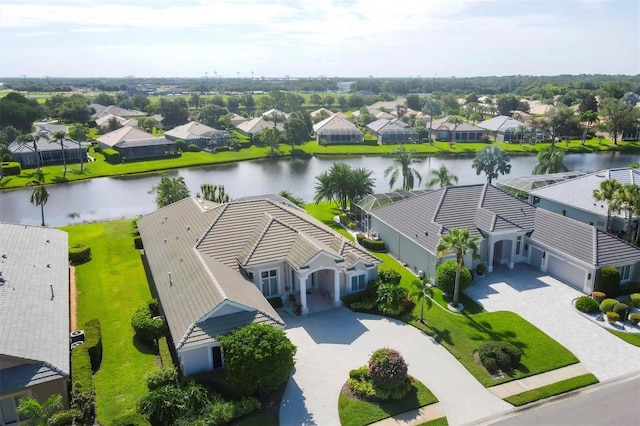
[(566, 272)]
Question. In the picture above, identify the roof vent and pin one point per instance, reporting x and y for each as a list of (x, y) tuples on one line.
[(52, 294), (4, 255), (188, 227)]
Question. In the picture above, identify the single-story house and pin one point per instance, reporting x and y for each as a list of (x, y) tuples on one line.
[(505, 129), (538, 108), (521, 186), (237, 119), (392, 131), (101, 111), (199, 134), (270, 113), (34, 316), (446, 129), (134, 143), (375, 113), (49, 152), (337, 130), (511, 231), (574, 198), (256, 125), (320, 114), (51, 127), (214, 267)]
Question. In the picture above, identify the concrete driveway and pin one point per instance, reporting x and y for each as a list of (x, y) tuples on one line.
[(331, 343), (547, 303)]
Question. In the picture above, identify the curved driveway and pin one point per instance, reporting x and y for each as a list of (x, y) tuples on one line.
[(331, 343)]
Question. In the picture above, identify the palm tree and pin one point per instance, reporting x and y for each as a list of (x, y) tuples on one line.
[(459, 241), (607, 193), (550, 160), (33, 138), (324, 188), (39, 414), (492, 161), (78, 133), (402, 165), (343, 184), (627, 198), (422, 292), (521, 131), (5, 155), (39, 196), (443, 177), (59, 136)]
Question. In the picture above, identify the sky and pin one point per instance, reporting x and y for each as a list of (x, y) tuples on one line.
[(307, 38)]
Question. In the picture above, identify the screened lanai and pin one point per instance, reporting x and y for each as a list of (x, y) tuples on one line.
[(338, 136), (520, 186)]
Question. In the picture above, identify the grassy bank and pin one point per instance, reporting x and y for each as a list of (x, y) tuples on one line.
[(100, 168), (551, 390), (110, 287)]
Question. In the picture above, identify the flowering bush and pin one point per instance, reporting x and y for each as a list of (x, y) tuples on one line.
[(388, 371)]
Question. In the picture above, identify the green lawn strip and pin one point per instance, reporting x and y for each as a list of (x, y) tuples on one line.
[(325, 212), (442, 421), (355, 412), (631, 338), (552, 389), (110, 287)]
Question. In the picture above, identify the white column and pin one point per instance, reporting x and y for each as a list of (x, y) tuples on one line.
[(336, 288), (490, 254), (303, 295), (512, 255)]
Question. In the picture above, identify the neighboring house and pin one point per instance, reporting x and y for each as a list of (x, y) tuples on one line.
[(268, 114), (51, 127), (236, 119), (256, 126), (34, 316), (538, 108), (375, 113), (199, 134), (103, 123), (337, 130), (214, 267), (392, 131), (505, 129), (574, 198), (321, 112), (511, 231), (631, 134), (49, 151), (134, 143), (446, 129), (101, 111), (521, 186)]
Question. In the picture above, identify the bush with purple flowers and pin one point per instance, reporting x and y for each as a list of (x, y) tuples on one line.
[(384, 378)]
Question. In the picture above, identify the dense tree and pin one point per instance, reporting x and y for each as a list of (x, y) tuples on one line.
[(343, 184), (460, 242), (449, 104), (550, 160), (421, 292), (492, 161), (560, 121), (617, 117), (414, 102), (39, 196), (174, 112), (140, 102), (607, 192), (271, 137), (71, 109), (295, 132), (402, 160), (506, 104), (588, 103), (59, 136), (19, 112), (627, 199), (441, 177), (257, 355), (328, 100), (169, 190), (315, 99), (104, 99), (210, 115)]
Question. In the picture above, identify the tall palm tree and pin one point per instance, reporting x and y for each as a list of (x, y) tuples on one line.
[(492, 161), (39, 196), (443, 177), (607, 193), (32, 139), (40, 414), (459, 241), (78, 132), (402, 165), (627, 198), (422, 292), (550, 160), (343, 184), (59, 136)]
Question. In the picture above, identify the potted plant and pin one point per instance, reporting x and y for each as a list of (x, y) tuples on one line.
[(481, 269)]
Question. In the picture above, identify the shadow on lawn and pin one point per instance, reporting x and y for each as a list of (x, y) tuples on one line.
[(144, 347)]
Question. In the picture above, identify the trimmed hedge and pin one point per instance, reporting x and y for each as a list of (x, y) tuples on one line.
[(607, 305), (587, 304), (81, 368), (79, 254), (598, 296), (389, 276), (499, 355), (111, 156), (608, 280), (164, 351), (145, 325), (634, 318), (93, 342), (11, 168), (635, 300), (193, 148), (163, 376), (446, 276), (368, 243), (612, 317)]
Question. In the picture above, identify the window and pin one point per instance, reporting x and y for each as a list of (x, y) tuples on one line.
[(518, 245), (564, 212), (8, 406), (216, 353), (358, 282), (625, 272), (270, 282)]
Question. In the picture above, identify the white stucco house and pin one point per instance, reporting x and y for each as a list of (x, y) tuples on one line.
[(511, 232), (215, 267)]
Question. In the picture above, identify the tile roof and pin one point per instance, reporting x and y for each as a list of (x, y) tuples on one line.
[(152, 141), (502, 124), (334, 122), (29, 374), (43, 144), (34, 296), (446, 123), (578, 192), (196, 130), (114, 110), (257, 125), (122, 134)]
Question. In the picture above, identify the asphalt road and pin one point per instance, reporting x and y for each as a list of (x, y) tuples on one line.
[(610, 403)]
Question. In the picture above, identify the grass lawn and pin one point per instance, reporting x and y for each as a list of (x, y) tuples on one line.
[(355, 412), (551, 390), (110, 287), (631, 338), (325, 212)]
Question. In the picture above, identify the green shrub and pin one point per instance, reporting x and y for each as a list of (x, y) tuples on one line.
[(360, 237), (607, 305), (111, 156), (612, 317), (93, 342), (163, 376), (505, 355), (388, 371), (608, 280), (481, 268), (621, 309), (446, 276), (598, 296), (181, 145), (587, 304), (84, 401), (193, 148), (147, 327), (635, 300), (389, 276), (629, 288), (11, 168), (634, 318), (81, 368), (154, 307), (361, 373), (363, 305), (79, 253), (374, 245), (362, 388), (131, 419), (165, 352)]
